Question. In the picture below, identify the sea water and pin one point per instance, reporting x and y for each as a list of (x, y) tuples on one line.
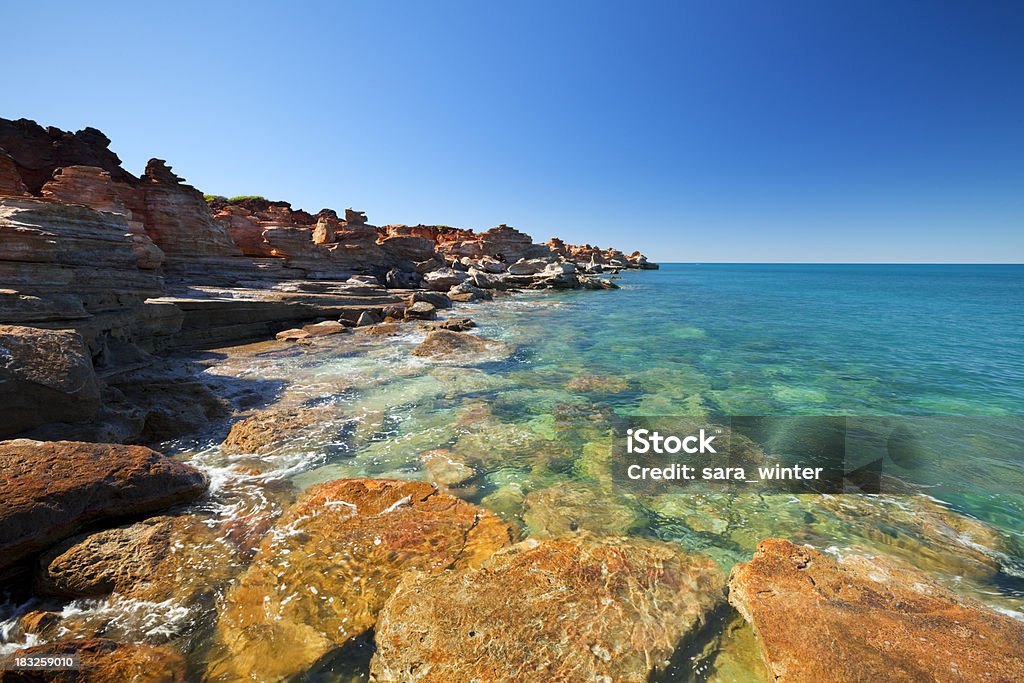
[(937, 346)]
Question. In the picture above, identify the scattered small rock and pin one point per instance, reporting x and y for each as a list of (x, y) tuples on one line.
[(421, 310)]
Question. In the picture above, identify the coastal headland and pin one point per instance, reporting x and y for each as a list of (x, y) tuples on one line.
[(307, 541)]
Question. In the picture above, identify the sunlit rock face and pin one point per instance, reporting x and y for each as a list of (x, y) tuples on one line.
[(177, 217), (325, 570), (868, 618), (574, 609)]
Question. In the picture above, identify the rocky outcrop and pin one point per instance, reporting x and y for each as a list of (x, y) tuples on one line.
[(52, 489), (502, 243), (177, 218), (69, 266), (11, 184), (38, 151), (868, 618), (561, 610), (45, 376), (324, 572), (103, 661), (596, 259)]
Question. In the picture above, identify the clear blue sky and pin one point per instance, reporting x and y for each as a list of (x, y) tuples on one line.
[(866, 130)]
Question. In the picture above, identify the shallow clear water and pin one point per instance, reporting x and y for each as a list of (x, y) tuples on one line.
[(528, 436)]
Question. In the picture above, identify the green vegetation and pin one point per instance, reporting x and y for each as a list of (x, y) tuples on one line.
[(211, 197), (243, 197)]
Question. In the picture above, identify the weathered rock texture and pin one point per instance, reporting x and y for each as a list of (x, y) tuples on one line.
[(323, 573), (45, 376), (38, 151), (264, 431), (53, 489), (157, 559), (459, 346), (103, 661), (561, 610), (868, 619)]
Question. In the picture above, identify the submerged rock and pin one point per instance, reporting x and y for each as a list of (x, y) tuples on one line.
[(45, 376), (264, 431), (446, 467), (448, 345), (868, 618), (53, 489), (575, 506), (563, 610), (922, 531), (104, 661), (597, 384), (323, 573)]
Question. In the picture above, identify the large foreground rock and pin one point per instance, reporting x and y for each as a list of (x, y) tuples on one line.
[(104, 661), (52, 489), (868, 619), (323, 573), (45, 376), (157, 559), (566, 610)]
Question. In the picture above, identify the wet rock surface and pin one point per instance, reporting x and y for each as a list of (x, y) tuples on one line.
[(868, 618), (323, 573), (457, 346), (567, 610), (52, 489), (160, 558), (264, 431), (104, 661)]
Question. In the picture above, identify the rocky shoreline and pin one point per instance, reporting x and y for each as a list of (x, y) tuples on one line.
[(124, 270), (117, 283)]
